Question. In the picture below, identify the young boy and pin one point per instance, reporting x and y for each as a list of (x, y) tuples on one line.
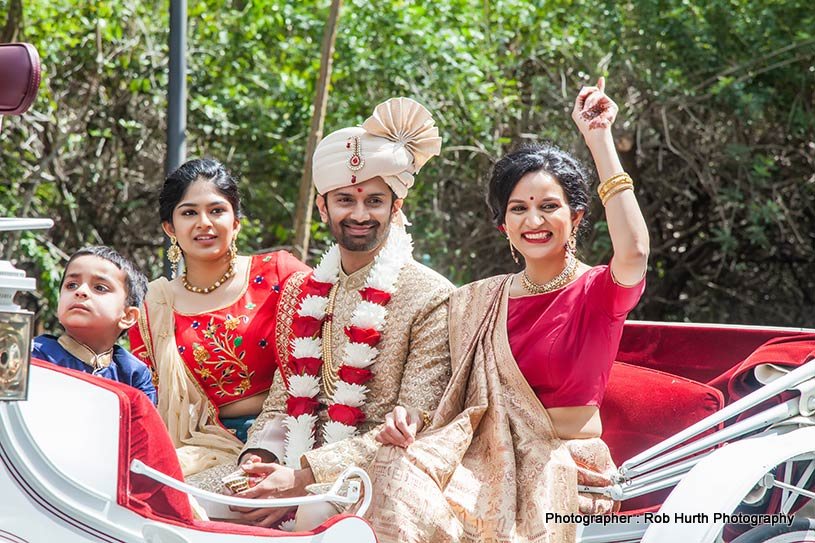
[(99, 299)]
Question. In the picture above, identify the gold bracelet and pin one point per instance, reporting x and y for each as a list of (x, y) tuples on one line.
[(615, 191), (612, 182), (604, 189)]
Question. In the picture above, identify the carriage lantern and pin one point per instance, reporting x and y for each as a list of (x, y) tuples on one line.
[(16, 324)]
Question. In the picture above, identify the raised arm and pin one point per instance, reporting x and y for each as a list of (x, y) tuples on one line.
[(594, 114)]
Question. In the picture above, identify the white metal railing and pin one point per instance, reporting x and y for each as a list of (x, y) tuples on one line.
[(333, 495), (664, 464)]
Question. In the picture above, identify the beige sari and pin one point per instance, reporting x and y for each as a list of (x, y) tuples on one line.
[(191, 419), (490, 466)]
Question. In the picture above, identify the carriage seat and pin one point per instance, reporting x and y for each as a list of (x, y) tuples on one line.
[(642, 407)]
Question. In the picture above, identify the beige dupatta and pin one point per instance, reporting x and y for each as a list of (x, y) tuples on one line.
[(191, 419), (490, 466)]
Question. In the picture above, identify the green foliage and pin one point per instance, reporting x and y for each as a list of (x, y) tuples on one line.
[(716, 127)]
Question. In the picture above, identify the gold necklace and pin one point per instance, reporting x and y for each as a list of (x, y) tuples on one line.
[(230, 271), (555, 283), (328, 373)]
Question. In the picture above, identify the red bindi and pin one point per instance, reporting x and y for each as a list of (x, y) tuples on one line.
[(532, 198), (359, 190)]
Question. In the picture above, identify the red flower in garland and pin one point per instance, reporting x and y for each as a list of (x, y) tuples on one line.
[(317, 288), (301, 405), (356, 376), (306, 366), (306, 326), (346, 414), (369, 336), (375, 296)]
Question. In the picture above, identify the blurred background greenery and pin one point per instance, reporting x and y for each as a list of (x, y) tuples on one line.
[(717, 127)]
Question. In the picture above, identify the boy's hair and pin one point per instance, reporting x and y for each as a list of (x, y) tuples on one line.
[(135, 281)]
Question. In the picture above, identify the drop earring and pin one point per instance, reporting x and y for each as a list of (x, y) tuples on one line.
[(174, 255), (512, 251)]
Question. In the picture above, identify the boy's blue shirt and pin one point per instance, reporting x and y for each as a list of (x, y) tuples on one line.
[(124, 367)]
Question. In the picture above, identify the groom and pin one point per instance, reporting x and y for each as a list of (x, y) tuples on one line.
[(366, 331)]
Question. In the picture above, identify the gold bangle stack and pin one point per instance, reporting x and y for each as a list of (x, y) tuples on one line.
[(614, 185)]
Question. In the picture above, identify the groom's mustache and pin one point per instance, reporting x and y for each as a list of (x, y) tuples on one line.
[(360, 224)]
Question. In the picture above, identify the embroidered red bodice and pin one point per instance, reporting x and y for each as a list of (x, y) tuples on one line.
[(230, 352)]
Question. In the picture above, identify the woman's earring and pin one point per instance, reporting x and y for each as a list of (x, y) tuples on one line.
[(512, 250), (233, 249), (174, 255), (571, 245)]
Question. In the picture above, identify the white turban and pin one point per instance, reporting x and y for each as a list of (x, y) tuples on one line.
[(393, 144)]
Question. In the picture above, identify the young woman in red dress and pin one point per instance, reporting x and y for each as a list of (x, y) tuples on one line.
[(208, 334)]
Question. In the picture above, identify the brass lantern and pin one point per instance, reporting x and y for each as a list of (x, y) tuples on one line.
[(16, 325)]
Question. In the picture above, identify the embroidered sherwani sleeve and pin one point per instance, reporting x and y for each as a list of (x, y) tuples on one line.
[(425, 376), (427, 370)]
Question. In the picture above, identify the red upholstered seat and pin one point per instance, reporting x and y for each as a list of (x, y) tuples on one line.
[(642, 407)]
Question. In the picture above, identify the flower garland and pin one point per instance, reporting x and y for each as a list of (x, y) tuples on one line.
[(306, 361)]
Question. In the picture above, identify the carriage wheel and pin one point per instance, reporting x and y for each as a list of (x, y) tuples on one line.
[(802, 530)]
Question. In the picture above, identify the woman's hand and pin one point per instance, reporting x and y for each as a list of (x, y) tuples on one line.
[(401, 426), (594, 112)]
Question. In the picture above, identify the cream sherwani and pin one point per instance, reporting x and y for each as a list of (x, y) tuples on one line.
[(412, 369)]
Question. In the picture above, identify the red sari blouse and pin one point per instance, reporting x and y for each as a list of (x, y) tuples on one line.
[(230, 351), (565, 341)]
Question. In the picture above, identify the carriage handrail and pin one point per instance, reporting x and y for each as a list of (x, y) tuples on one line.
[(8, 224), (758, 421), (793, 378), (333, 495)]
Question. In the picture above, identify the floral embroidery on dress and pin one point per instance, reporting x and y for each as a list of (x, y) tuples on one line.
[(221, 362), (250, 306), (258, 279)]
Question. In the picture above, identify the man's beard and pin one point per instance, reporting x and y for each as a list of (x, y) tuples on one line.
[(377, 234)]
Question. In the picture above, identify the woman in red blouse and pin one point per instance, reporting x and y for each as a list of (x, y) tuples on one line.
[(518, 428), (208, 334), (565, 318)]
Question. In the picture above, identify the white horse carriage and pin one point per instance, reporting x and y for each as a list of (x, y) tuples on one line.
[(714, 438)]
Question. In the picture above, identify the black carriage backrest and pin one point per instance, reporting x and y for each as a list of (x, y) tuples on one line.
[(19, 77)]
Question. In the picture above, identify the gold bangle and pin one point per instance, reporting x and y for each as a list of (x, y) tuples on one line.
[(605, 189), (612, 182), (615, 191), (615, 177)]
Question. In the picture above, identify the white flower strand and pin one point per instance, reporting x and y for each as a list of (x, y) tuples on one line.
[(307, 347), (328, 270), (299, 438), (300, 431), (304, 386), (350, 394), (336, 431), (369, 315), (359, 355), (313, 306)]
